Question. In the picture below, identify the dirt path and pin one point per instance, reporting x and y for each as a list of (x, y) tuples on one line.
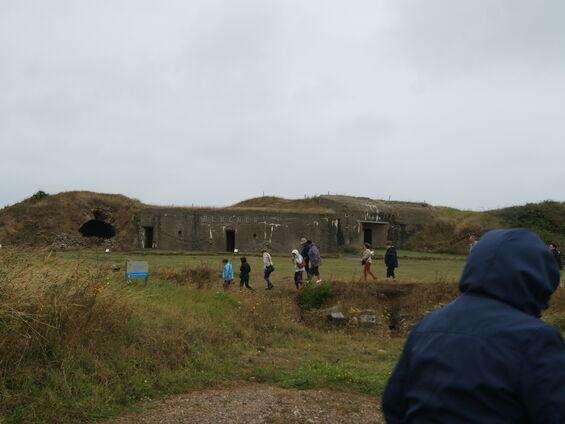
[(259, 404)]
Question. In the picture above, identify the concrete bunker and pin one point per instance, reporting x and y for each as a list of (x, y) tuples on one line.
[(332, 221)]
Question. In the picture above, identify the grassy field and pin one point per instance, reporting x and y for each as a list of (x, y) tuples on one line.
[(79, 344), (425, 267)]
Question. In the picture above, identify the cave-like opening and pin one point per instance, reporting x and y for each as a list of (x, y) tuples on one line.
[(97, 228)]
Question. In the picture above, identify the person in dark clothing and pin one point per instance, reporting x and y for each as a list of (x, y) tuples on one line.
[(315, 261), (391, 259), (304, 253), (244, 271), (486, 357), (556, 254)]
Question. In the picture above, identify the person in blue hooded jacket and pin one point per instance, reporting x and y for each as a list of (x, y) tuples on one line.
[(227, 273), (487, 357)]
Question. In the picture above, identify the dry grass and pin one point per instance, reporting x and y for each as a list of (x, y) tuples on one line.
[(45, 312), (272, 203), (199, 277)]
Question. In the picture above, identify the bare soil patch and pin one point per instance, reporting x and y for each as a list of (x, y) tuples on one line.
[(259, 404)]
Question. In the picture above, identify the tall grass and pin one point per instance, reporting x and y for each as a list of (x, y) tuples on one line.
[(76, 344)]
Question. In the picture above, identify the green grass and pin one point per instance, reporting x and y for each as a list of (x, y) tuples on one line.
[(427, 267), (144, 341), (103, 346)]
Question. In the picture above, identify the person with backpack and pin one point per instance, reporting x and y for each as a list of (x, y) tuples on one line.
[(299, 266), (244, 271), (268, 268)]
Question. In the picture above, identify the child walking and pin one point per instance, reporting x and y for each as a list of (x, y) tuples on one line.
[(244, 271), (299, 266), (227, 274)]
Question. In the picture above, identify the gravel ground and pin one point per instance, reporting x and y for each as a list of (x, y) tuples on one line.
[(258, 404)]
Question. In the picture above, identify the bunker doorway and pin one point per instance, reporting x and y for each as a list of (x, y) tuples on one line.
[(230, 240), (374, 233), (148, 237), (368, 236), (97, 228)]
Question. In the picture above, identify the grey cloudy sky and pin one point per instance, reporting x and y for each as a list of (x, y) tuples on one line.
[(457, 103)]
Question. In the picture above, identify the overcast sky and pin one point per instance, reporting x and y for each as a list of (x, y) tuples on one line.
[(458, 103)]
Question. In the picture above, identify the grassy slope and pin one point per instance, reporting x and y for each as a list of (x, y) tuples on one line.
[(450, 228)]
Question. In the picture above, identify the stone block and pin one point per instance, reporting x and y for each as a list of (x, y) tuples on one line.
[(328, 311), (337, 318), (368, 320)]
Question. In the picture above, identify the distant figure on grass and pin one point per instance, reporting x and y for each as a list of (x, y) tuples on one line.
[(268, 268), (299, 265), (244, 271), (556, 254), (227, 273), (487, 357), (315, 260), (391, 260), (366, 261), (304, 254), (472, 241)]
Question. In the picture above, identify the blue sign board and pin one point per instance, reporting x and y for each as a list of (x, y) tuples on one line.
[(137, 269)]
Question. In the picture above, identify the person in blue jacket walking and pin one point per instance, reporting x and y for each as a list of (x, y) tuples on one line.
[(227, 273), (487, 357)]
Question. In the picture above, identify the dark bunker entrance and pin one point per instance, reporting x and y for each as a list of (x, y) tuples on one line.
[(375, 232), (97, 228), (230, 240), (148, 237)]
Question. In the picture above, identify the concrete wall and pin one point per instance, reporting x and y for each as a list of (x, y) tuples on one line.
[(212, 229)]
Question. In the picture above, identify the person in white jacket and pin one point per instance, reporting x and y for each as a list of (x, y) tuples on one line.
[(299, 265), (366, 261), (268, 267)]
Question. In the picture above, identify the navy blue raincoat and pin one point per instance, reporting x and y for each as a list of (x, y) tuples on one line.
[(487, 357)]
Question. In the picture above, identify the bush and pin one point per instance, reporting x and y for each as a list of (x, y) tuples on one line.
[(314, 296)]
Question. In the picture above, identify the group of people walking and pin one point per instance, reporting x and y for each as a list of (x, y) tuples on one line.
[(307, 260)]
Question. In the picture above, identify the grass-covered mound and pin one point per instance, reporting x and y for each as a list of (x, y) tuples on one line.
[(450, 228), (44, 218)]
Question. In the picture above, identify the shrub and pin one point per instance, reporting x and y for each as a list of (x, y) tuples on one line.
[(314, 296)]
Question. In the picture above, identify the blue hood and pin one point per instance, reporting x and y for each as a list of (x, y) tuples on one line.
[(513, 266)]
